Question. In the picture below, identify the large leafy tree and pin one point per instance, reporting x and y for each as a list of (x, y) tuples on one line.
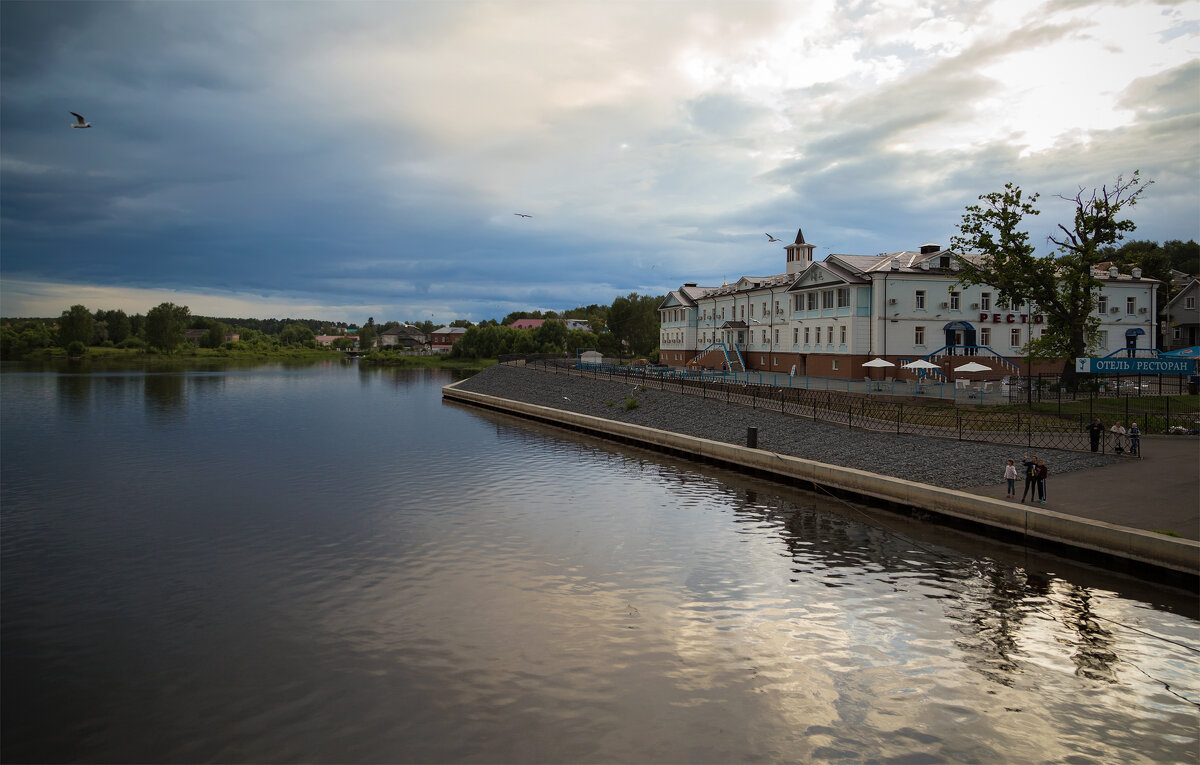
[(165, 325), (1060, 283), (76, 324), (298, 334), (634, 321)]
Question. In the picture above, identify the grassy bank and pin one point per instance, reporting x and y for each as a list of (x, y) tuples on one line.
[(384, 358)]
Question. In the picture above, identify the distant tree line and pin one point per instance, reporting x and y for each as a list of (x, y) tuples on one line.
[(628, 327), (162, 330)]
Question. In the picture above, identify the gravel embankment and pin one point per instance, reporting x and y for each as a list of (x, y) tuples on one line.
[(936, 461)]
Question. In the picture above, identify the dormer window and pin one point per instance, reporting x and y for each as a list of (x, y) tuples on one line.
[(944, 261)]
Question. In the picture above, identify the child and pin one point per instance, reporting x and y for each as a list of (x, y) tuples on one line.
[(1135, 440), (1010, 475)]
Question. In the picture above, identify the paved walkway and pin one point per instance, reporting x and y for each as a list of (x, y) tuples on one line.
[(1159, 492)]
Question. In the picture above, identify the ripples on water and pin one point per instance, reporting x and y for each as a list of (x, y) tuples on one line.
[(327, 564)]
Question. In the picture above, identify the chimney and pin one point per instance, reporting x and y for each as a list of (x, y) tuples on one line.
[(1137, 273), (1113, 272), (930, 248)]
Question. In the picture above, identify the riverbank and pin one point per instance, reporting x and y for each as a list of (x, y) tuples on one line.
[(912, 471)]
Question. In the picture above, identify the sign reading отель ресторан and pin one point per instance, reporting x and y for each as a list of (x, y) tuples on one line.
[(1136, 366)]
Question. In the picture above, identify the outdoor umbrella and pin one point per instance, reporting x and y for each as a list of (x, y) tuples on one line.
[(921, 364), (878, 363), (972, 366)]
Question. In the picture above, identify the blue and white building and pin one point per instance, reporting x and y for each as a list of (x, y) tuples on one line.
[(825, 318)]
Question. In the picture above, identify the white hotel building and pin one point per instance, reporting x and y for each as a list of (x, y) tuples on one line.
[(826, 318)]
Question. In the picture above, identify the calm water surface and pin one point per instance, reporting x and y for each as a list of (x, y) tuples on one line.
[(322, 563)]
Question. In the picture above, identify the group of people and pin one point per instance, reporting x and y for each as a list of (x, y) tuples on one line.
[(1096, 432), (1035, 471)]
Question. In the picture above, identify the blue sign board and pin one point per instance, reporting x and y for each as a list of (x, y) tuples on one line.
[(1127, 366)]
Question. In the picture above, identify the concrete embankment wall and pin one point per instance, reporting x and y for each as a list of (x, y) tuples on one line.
[(1056, 529)]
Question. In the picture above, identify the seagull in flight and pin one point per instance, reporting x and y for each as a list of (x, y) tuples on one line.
[(770, 238), (80, 122), (522, 215)]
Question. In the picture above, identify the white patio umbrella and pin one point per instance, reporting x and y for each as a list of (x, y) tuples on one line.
[(878, 363), (920, 364), (973, 366)]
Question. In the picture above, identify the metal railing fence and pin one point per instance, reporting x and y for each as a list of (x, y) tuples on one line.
[(1030, 429)]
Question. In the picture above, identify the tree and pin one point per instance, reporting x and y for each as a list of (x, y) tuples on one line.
[(165, 324), (367, 335), (216, 334), (119, 326), (634, 321), (297, 334), (552, 336), (76, 323), (992, 249)]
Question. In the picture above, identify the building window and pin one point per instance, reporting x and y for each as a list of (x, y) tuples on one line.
[(1130, 305), (830, 334), (827, 299), (1177, 333), (835, 365), (1102, 340), (1189, 303), (919, 336), (806, 335), (775, 361), (796, 303), (751, 310), (1015, 338), (843, 335), (843, 297), (795, 335), (919, 301), (812, 301), (985, 335), (817, 340), (954, 300), (985, 302), (764, 306), (1102, 304), (777, 307), (777, 337), (764, 337)]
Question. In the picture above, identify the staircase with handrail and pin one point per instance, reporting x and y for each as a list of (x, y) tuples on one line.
[(734, 363)]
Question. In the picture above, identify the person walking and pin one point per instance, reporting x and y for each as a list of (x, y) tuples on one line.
[(1095, 431), (1135, 440), (1010, 475), (1030, 471), (1042, 472)]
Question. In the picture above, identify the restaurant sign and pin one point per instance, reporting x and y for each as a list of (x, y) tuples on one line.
[(1129, 366)]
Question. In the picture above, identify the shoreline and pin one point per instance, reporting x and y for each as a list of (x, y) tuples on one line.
[(911, 473)]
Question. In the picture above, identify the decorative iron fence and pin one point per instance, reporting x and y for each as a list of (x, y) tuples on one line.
[(1031, 429)]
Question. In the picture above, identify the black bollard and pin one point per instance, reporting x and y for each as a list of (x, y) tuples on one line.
[(752, 438)]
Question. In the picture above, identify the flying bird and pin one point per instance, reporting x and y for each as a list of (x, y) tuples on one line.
[(522, 215), (80, 122), (770, 238)]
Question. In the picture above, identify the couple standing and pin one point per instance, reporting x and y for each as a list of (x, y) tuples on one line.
[(1035, 471)]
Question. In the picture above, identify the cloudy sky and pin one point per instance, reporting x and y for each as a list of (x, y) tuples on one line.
[(345, 160)]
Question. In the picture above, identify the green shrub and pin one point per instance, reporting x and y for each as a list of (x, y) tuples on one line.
[(631, 404), (76, 348)]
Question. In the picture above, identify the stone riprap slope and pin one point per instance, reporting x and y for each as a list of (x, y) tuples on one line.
[(936, 461)]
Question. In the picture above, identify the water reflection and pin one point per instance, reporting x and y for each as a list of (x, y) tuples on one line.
[(323, 564), (164, 397)]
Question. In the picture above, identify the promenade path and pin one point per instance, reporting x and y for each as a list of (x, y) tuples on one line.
[(1158, 492)]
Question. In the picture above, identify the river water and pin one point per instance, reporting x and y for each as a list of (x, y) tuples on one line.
[(321, 563)]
